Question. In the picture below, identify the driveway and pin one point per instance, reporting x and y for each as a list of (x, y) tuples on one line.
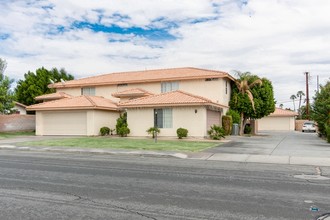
[(292, 143)]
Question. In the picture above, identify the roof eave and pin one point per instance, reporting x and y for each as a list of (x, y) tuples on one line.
[(139, 81)]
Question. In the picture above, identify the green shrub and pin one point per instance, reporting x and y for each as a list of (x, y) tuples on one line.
[(123, 131), (247, 129), (235, 116), (182, 132), (104, 131), (327, 129), (216, 132), (122, 126), (152, 131), (227, 124)]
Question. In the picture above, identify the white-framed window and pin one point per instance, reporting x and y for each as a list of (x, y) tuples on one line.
[(88, 91), (169, 86), (163, 118)]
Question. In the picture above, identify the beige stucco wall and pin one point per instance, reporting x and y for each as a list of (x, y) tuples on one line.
[(186, 117), (214, 90), (276, 124), (141, 119), (39, 123), (97, 119)]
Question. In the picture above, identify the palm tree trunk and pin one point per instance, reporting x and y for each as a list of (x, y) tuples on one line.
[(241, 127)]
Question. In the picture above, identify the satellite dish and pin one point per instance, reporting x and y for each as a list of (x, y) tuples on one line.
[(63, 81)]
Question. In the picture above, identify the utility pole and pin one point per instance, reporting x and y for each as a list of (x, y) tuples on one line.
[(307, 96)]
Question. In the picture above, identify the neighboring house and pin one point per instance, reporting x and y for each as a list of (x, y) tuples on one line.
[(19, 108), (279, 120), (191, 98)]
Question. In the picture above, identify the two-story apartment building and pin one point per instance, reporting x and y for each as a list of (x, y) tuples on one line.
[(191, 98)]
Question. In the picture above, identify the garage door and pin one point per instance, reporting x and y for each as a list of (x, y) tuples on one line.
[(65, 123), (275, 124), (213, 118)]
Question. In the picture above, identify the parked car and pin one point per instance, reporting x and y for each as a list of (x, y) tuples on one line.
[(309, 126)]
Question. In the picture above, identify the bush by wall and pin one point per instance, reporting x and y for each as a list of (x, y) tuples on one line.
[(104, 131), (182, 132), (227, 124), (122, 126), (216, 132)]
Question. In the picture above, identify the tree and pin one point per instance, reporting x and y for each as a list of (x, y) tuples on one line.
[(300, 94), (321, 109), (35, 84), (6, 95), (293, 97), (252, 97)]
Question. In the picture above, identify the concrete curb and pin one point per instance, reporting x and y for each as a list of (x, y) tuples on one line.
[(97, 151)]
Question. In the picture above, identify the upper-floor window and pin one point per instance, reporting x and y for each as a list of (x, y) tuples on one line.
[(88, 91), (169, 86), (226, 87), (163, 118), (211, 79)]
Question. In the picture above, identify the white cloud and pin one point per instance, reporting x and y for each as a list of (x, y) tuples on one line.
[(276, 39)]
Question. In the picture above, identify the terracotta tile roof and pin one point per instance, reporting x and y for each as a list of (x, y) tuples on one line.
[(158, 75), (78, 102), (282, 112), (53, 96), (136, 92), (175, 98), (20, 104)]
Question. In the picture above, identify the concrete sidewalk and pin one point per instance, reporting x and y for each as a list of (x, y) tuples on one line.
[(293, 148), (242, 158)]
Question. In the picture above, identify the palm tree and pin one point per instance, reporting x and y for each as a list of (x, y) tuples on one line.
[(300, 94), (244, 86), (293, 97), (281, 105)]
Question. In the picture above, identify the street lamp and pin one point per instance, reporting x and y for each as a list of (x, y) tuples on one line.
[(155, 130)]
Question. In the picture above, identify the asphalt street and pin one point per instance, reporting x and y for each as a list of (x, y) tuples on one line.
[(41, 185)]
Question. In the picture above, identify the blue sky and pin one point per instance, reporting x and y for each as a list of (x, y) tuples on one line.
[(276, 39)]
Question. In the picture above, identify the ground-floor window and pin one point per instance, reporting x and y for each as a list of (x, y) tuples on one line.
[(163, 118)]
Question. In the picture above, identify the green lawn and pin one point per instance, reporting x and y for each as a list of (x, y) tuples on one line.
[(124, 143), (14, 134)]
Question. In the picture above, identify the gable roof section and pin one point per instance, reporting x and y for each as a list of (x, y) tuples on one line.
[(283, 112), (175, 98), (53, 96), (159, 75), (19, 104), (74, 103), (136, 92)]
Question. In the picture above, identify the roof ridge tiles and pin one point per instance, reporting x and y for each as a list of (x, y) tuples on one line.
[(90, 100)]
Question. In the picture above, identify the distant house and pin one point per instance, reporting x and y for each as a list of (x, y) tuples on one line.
[(19, 108), (191, 98), (279, 120)]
